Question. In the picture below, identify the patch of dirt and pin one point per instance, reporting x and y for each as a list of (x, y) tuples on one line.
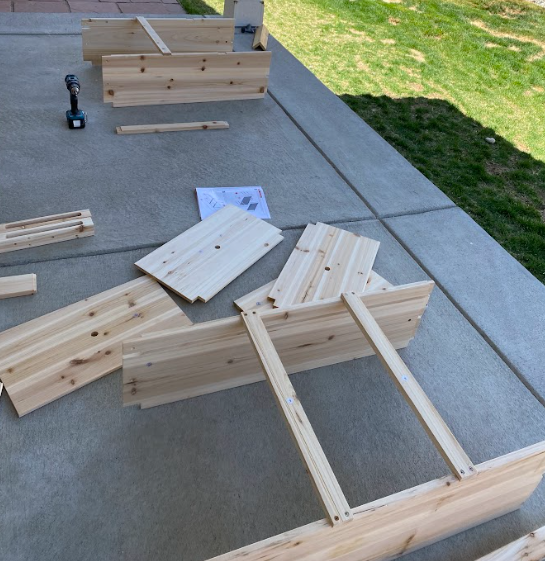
[(417, 55), (514, 48), (394, 21), (388, 41), (410, 71), (362, 66), (538, 89), (393, 1), (362, 34), (519, 38), (493, 168), (416, 87), (491, 45)]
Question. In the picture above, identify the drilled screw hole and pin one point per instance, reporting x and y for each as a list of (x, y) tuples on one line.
[(94, 333), (217, 247), (328, 268)]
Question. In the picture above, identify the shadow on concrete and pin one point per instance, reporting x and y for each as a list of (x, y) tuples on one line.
[(501, 187)]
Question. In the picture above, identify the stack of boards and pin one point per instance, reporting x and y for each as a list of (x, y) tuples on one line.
[(53, 355), (163, 61)]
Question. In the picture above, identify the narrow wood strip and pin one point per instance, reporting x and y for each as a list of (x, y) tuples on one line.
[(153, 35), (449, 448), (329, 491), (261, 38), (173, 127), (404, 522), (530, 547), (17, 285)]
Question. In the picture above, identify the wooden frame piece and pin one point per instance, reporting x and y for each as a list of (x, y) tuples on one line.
[(530, 547), (55, 354), (429, 417), (201, 261), (17, 285), (45, 230), (154, 79), (173, 127), (153, 35), (178, 364), (261, 38), (326, 262), (125, 36)]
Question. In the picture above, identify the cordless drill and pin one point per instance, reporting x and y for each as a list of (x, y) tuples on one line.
[(76, 117)]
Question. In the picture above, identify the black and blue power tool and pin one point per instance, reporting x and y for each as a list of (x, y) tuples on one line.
[(76, 117)]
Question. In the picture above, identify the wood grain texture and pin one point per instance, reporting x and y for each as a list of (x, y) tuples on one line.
[(206, 258), (154, 79), (45, 230), (261, 38), (216, 355), (172, 127), (326, 262), (449, 448), (17, 285), (325, 483), (152, 34), (530, 547), (259, 299), (406, 521), (124, 36), (55, 354)]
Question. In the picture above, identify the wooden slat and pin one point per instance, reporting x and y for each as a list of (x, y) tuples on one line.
[(17, 285), (530, 547), (259, 299), (104, 37), (154, 79), (261, 38), (327, 487), (45, 230), (325, 262), (204, 259), (53, 355), (173, 127), (216, 355), (404, 522), (449, 448), (245, 12), (152, 34)]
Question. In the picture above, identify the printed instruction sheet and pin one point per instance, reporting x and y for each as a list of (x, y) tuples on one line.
[(252, 199)]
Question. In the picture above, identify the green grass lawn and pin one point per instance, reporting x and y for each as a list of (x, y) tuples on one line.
[(435, 78)]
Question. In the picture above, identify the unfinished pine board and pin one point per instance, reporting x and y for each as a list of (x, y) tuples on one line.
[(327, 487), (124, 36), (152, 34), (326, 262), (530, 547), (259, 299), (429, 417), (17, 285), (406, 521), (173, 127), (216, 355), (53, 355), (206, 258), (261, 38), (45, 230), (245, 12), (155, 79)]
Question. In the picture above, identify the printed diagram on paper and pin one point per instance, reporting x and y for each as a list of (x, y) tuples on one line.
[(252, 199)]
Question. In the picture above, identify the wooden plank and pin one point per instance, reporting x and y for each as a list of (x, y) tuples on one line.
[(53, 355), (152, 34), (17, 285), (259, 299), (449, 448), (154, 79), (530, 547), (327, 487), (245, 12), (204, 259), (45, 230), (406, 521), (216, 355), (261, 38), (173, 127), (326, 262), (118, 36)]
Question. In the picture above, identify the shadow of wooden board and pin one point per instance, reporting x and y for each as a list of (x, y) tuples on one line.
[(155, 79), (212, 356), (404, 522), (123, 36), (53, 355)]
